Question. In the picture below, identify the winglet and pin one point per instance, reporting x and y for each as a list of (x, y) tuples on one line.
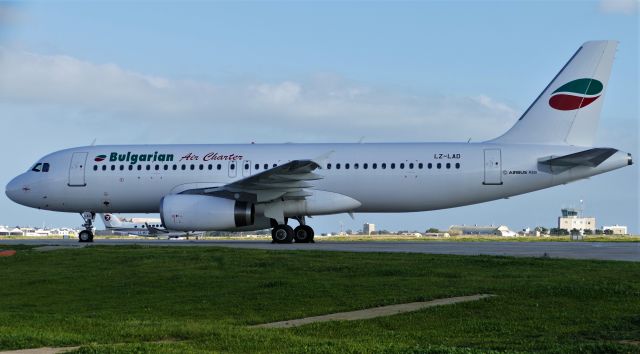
[(320, 160)]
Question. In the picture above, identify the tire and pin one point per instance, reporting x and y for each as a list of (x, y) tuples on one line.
[(282, 234), (303, 234), (85, 236)]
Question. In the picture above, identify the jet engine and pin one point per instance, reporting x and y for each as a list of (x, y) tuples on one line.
[(188, 212)]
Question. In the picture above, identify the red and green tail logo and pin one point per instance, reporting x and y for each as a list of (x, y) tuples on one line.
[(100, 158), (575, 94)]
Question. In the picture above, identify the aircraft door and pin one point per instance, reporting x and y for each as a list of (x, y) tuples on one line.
[(233, 169), (492, 167), (246, 168), (76, 169)]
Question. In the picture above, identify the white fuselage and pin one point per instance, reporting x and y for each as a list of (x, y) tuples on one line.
[(385, 177)]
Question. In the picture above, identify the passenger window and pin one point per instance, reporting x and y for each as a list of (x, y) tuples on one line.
[(183, 167), (139, 167), (121, 167), (210, 167), (257, 166), (95, 167), (148, 167), (411, 166), (402, 166), (393, 166), (45, 167), (201, 167), (328, 166), (113, 167), (157, 167), (130, 167), (364, 165), (246, 166), (374, 166), (175, 167), (448, 165), (219, 166), (346, 166), (384, 165), (337, 166), (266, 166), (355, 166), (104, 167), (439, 165), (166, 167), (420, 165), (429, 165), (275, 165), (192, 167), (232, 166), (457, 165)]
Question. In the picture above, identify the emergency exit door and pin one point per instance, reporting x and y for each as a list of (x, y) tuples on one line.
[(233, 171), (76, 169), (492, 167)]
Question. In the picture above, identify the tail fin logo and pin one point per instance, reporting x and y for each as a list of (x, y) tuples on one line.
[(576, 94)]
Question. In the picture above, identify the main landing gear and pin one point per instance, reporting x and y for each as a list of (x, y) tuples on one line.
[(283, 233), (86, 235)]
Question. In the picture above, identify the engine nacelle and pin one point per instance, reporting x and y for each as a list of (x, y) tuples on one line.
[(188, 212)]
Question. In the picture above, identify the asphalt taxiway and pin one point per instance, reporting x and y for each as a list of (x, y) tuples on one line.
[(617, 251)]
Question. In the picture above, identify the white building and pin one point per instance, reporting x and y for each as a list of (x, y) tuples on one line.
[(571, 220), (368, 229), (616, 229), (16, 232), (481, 230)]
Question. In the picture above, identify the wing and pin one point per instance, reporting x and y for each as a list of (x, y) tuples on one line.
[(287, 181)]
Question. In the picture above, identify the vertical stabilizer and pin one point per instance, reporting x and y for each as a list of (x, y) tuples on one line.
[(111, 221), (568, 109)]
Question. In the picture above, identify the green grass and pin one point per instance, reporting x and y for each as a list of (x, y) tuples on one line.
[(121, 299)]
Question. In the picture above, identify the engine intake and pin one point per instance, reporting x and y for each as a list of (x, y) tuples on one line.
[(204, 213)]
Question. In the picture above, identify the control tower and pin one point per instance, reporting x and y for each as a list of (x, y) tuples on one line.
[(571, 219)]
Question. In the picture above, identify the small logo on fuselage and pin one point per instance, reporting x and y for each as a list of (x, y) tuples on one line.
[(575, 94)]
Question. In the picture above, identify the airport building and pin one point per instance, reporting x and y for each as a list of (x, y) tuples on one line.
[(368, 229), (481, 230), (571, 219), (616, 229)]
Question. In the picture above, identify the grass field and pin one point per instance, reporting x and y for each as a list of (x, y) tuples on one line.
[(180, 299)]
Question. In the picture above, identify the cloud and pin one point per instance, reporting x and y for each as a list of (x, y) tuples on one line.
[(325, 107), (624, 7)]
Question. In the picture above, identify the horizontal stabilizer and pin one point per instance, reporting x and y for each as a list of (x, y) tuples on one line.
[(590, 158)]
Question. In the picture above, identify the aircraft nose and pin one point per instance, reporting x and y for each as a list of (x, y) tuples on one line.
[(14, 189)]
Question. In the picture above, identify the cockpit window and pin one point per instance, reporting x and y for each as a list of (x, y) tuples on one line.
[(41, 167)]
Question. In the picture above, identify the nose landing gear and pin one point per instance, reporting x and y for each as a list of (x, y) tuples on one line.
[(86, 235)]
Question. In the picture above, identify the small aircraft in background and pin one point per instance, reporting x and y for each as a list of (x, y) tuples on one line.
[(151, 227)]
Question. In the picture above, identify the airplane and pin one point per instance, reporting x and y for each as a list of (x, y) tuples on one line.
[(140, 227), (256, 186)]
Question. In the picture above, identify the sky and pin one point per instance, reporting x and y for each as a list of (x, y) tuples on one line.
[(271, 72)]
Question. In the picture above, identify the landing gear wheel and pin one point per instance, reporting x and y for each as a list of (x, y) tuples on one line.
[(282, 234), (85, 236), (303, 234)]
